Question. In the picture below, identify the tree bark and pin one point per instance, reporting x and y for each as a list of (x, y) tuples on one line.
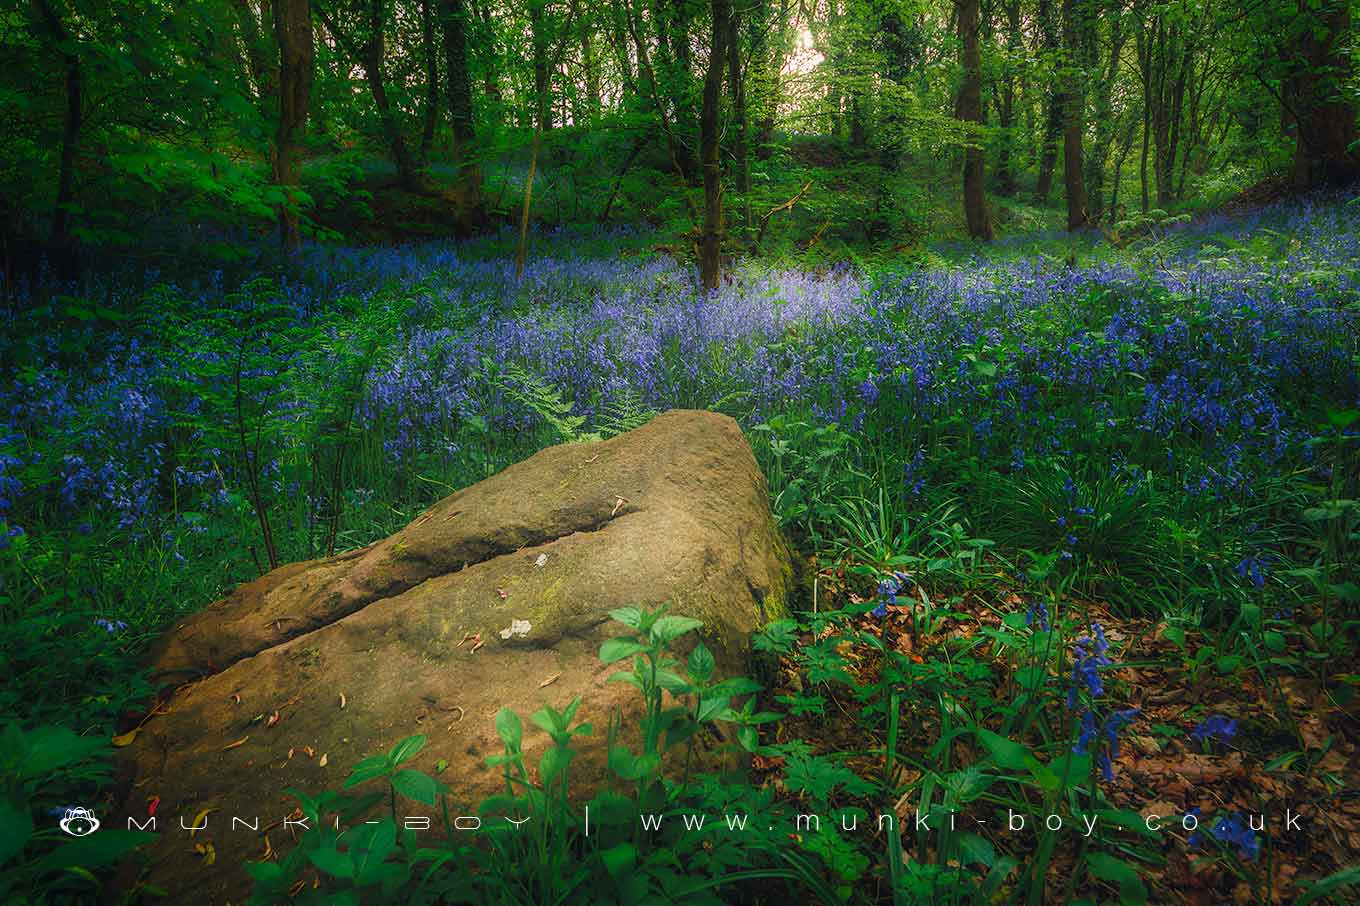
[(1073, 108), (542, 80), (736, 86), (62, 243), (370, 56), (710, 242), (431, 78), (1053, 119), (1005, 163), (1325, 120), (470, 213), (293, 33), (969, 110)]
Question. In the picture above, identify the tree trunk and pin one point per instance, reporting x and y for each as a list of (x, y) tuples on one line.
[(293, 33), (431, 78), (370, 57), (1005, 163), (542, 81), (969, 110), (62, 244), (469, 208), (736, 86), (710, 243), (1324, 153), (1073, 108), (1053, 120)]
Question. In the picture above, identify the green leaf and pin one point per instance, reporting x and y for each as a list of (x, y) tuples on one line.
[(701, 664), (1343, 878), (369, 768), (618, 649), (92, 851), (332, 862), (369, 851), (509, 728), (977, 849), (554, 762), (407, 749), (1132, 891), (619, 860), (1008, 753), (415, 785), (628, 616), (668, 629), (16, 825)]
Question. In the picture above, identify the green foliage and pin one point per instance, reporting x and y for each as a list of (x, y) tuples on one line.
[(40, 769)]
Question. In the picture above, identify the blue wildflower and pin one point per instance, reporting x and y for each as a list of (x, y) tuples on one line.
[(1254, 568), (1216, 727), (1037, 611), (110, 625), (1230, 829)]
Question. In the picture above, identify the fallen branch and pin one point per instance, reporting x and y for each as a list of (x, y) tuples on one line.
[(786, 206)]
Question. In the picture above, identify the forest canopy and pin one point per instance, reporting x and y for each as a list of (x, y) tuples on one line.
[(134, 125)]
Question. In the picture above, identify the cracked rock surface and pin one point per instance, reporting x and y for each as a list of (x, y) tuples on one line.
[(497, 596)]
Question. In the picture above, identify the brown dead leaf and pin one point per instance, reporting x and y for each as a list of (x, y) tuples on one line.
[(207, 851), (324, 759), (125, 739), (273, 719), (232, 745), (342, 700), (549, 681)]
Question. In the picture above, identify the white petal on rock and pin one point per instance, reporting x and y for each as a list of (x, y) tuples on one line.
[(517, 627)]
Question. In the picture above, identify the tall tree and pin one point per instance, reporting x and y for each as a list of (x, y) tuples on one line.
[(293, 34), (60, 38), (1073, 106), (1053, 116), (1318, 92), (370, 53), (470, 208), (969, 110), (710, 240)]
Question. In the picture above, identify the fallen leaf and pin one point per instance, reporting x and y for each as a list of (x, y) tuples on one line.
[(311, 753), (478, 645), (126, 739), (324, 759), (232, 745), (503, 593), (618, 505), (268, 849), (151, 806), (290, 754), (549, 681), (236, 698), (273, 719), (200, 820), (342, 699), (542, 561), (207, 851)]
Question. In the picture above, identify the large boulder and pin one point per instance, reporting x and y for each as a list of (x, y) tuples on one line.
[(413, 635)]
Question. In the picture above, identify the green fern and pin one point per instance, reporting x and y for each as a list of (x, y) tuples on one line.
[(542, 398), (623, 413)]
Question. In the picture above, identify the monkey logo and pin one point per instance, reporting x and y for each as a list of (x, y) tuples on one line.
[(79, 822)]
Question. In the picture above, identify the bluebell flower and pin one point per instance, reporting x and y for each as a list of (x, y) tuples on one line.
[(1254, 568), (1216, 727), (1037, 611), (1086, 665), (1230, 829), (110, 625)]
